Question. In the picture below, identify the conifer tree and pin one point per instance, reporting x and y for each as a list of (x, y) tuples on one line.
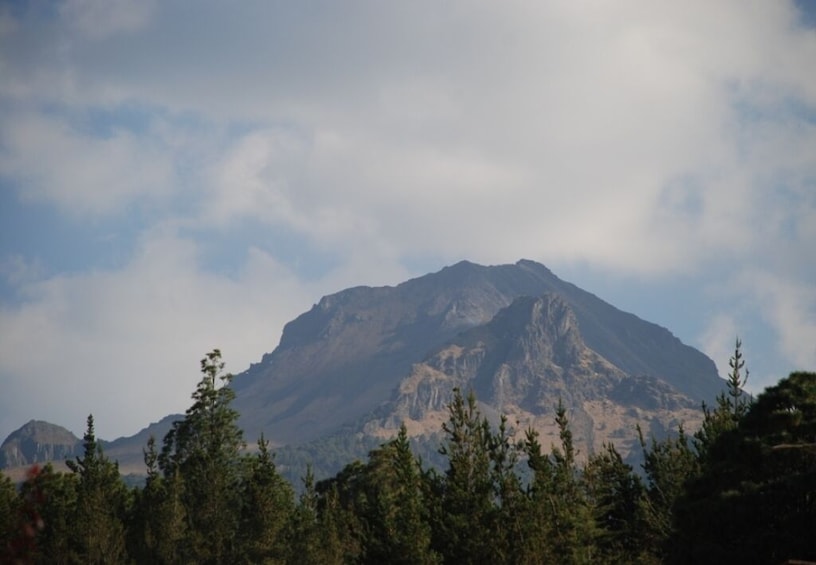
[(467, 495), (508, 525), (158, 523), (668, 466), (573, 525), (266, 507), (55, 496), (391, 503), (201, 453), (99, 532), (731, 406), (617, 500), (314, 537)]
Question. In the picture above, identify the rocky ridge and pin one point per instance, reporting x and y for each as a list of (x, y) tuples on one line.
[(520, 364)]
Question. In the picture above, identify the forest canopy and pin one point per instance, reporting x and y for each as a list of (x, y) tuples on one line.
[(741, 489)]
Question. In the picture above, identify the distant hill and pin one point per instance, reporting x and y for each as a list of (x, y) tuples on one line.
[(38, 442), (41, 442)]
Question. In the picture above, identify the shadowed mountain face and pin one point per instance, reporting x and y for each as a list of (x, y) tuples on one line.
[(346, 357)]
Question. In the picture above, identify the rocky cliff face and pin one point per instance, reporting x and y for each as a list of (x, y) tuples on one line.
[(38, 442), (345, 357), (521, 363)]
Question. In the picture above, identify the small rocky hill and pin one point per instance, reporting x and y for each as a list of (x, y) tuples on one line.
[(38, 442)]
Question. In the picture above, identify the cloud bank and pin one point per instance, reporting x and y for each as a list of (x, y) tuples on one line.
[(266, 154)]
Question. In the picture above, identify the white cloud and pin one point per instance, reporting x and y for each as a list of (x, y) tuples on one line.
[(125, 344), (81, 173), (790, 308), (645, 139), (718, 339)]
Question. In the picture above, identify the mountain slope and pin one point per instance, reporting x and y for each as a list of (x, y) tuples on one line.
[(342, 359), (529, 357)]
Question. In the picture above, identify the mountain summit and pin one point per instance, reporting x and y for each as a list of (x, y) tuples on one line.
[(519, 336)]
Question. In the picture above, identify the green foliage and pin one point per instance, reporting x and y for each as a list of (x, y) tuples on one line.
[(315, 534), (203, 450), (98, 524), (267, 502), (732, 405), (55, 498), (741, 490), (617, 496), (9, 511), (668, 465), (564, 528), (467, 489), (158, 523), (753, 500)]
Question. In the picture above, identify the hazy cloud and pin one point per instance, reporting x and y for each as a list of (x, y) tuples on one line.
[(645, 140)]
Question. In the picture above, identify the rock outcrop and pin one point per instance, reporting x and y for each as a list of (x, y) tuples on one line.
[(529, 357)]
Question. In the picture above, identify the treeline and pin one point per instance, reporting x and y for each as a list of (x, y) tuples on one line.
[(740, 490)]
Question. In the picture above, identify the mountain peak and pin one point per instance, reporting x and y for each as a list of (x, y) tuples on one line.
[(350, 353), (35, 442)]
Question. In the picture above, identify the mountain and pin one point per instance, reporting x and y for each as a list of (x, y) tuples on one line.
[(342, 361), (529, 357), (38, 442), (128, 451), (362, 361)]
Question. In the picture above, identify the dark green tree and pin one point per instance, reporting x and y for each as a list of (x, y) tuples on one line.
[(387, 499), (753, 500), (560, 525), (315, 538), (573, 524), (616, 496), (467, 490), (266, 508), (54, 496), (731, 406), (98, 525), (668, 465), (158, 523), (202, 453)]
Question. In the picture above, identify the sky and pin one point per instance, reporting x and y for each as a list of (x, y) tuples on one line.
[(180, 176)]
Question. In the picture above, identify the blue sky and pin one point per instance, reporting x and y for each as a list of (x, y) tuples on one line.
[(175, 178)]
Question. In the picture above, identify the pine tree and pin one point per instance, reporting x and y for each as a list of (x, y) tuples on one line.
[(753, 500), (314, 536), (668, 466), (616, 496), (388, 498), (158, 524), (467, 495), (99, 532), (573, 524), (731, 406), (508, 525), (11, 520), (55, 498), (201, 453), (266, 507)]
